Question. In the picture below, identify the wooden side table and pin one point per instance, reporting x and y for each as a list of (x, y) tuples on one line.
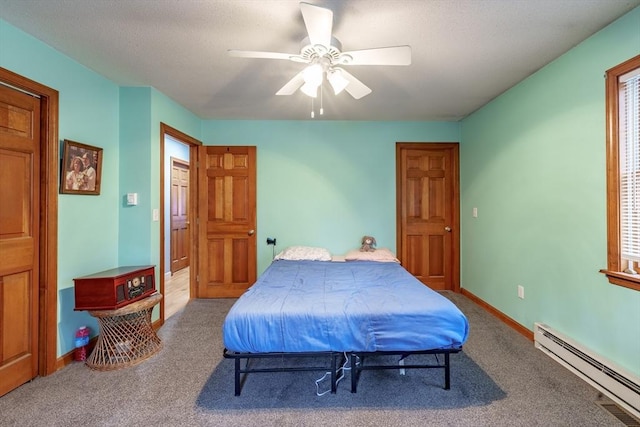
[(126, 336)]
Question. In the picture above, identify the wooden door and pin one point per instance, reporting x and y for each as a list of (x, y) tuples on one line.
[(428, 213), (226, 221), (179, 205), (19, 237)]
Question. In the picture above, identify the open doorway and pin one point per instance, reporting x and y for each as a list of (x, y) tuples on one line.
[(176, 224), (177, 265)]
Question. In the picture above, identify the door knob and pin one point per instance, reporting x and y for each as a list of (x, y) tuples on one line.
[(250, 233), (447, 228)]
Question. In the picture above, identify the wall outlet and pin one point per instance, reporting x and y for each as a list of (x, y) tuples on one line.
[(271, 241), (520, 291)]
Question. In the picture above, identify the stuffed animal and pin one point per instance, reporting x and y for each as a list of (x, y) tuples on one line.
[(368, 243)]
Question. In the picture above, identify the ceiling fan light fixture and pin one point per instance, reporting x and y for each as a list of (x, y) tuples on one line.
[(310, 90), (313, 74), (337, 80)]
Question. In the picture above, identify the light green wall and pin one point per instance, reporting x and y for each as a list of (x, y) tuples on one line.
[(141, 111), (88, 113), (165, 110), (325, 183), (135, 165), (96, 233), (533, 163)]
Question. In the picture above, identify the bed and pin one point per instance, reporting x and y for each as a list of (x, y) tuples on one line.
[(342, 312)]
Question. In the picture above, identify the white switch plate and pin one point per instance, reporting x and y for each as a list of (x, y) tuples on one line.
[(474, 212), (132, 199), (156, 215), (520, 291)]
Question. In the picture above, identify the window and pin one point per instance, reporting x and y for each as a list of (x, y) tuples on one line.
[(623, 174)]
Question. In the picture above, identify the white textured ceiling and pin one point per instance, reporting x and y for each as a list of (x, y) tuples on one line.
[(464, 52)]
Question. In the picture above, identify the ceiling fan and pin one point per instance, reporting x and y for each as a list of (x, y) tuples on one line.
[(324, 56)]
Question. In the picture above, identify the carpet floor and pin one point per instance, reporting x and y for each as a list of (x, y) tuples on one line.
[(499, 379)]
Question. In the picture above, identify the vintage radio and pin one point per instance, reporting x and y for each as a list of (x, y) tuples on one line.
[(112, 289)]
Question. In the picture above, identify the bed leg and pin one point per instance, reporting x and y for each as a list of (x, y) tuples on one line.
[(354, 372), (237, 377), (334, 378), (447, 372)]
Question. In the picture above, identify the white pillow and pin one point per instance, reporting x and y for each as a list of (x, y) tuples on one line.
[(304, 253), (379, 255)]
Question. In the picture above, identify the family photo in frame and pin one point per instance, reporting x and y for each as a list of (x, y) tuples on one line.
[(81, 168)]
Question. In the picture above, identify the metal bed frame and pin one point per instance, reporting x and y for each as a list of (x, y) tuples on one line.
[(333, 367), (357, 368), (240, 370)]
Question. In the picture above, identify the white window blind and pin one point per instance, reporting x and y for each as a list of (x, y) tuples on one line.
[(629, 140)]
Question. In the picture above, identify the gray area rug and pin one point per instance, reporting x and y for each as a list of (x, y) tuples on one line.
[(499, 379)]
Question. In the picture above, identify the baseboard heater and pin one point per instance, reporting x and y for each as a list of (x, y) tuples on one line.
[(619, 385)]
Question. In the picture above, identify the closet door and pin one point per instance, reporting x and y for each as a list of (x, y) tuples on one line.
[(428, 213), (19, 237), (227, 221)]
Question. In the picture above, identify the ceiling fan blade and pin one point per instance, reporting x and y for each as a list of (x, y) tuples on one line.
[(292, 85), (262, 55), (319, 23), (394, 55), (356, 88)]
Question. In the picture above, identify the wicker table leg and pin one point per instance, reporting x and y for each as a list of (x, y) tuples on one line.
[(126, 336)]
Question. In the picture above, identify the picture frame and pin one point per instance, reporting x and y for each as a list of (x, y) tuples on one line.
[(81, 168)]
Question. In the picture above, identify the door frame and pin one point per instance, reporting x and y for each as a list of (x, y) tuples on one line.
[(48, 223), (454, 148), (193, 206)]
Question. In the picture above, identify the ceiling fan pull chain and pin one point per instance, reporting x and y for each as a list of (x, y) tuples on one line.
[(321, 109)]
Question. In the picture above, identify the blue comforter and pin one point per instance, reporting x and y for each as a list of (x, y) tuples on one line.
[(308, 306)]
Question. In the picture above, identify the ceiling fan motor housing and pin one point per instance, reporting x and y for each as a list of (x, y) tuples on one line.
[(333, 53)]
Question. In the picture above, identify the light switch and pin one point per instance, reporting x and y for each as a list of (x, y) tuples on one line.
[(132, 199), (156, 215), (474, 212)]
